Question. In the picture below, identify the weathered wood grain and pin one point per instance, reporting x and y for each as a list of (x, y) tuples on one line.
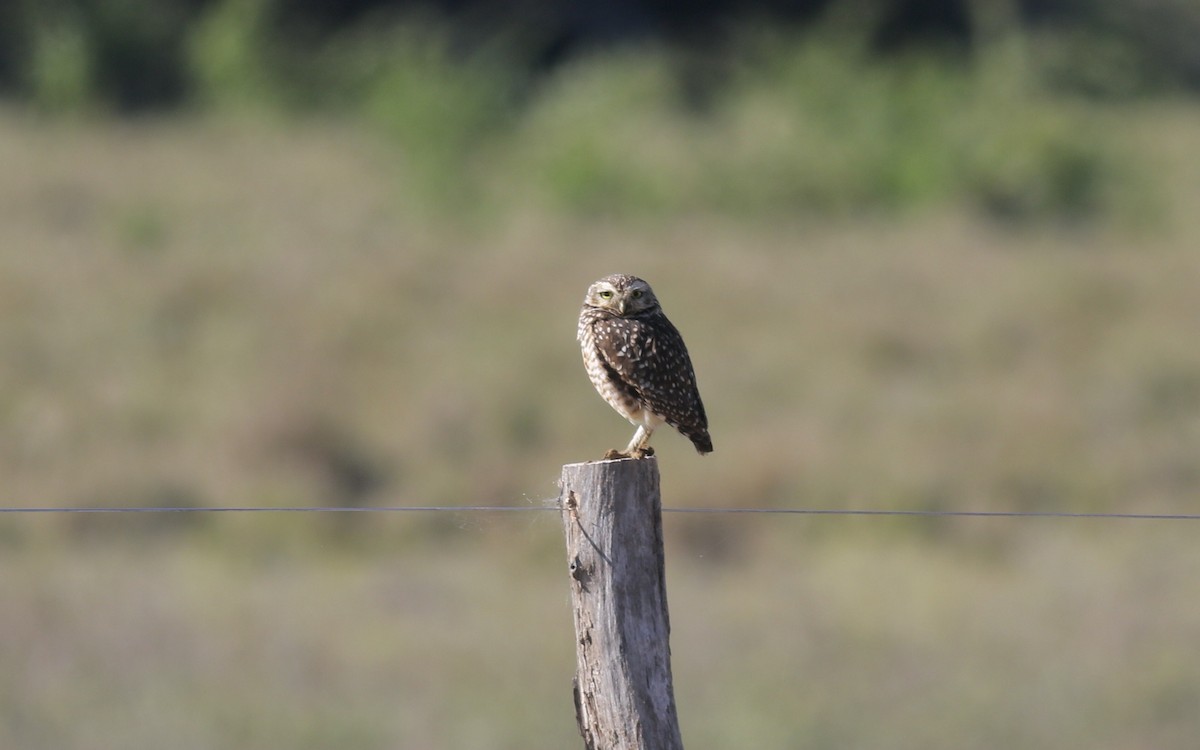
[(612, 517)]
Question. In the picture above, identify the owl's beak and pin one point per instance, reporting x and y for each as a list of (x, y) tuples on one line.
[(621, 307)]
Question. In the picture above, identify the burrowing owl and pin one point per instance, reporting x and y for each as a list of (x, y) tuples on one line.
[(638, 363)]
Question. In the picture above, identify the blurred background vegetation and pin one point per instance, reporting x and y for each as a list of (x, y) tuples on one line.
[(927, 255)]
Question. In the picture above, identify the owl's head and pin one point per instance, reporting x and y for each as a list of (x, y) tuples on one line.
[(621, 295)]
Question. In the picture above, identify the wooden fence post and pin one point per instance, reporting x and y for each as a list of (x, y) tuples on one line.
[(612, 517)]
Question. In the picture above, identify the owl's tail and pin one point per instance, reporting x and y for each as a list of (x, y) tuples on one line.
[(700, 439)]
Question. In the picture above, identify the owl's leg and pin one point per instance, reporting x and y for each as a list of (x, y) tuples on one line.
[(639, 446)]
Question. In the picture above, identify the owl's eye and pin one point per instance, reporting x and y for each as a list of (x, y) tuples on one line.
[(606, 294), (637, 293)]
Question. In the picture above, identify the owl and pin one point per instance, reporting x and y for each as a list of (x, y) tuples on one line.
[(638, 363)]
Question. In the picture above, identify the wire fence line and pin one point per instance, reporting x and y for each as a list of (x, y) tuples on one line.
[(552, 504)]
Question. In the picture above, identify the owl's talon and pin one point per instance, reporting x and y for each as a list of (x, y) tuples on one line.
[(612, 454)]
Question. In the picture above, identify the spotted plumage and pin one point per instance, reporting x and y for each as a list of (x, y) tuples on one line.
[(638, 363)]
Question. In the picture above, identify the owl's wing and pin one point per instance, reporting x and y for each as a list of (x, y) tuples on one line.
[(652, 362)]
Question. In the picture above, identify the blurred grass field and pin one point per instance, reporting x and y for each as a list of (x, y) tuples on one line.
[(828, 633), (233, 308)]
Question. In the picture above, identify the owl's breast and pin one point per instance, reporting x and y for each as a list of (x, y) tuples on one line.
[(609, 383)]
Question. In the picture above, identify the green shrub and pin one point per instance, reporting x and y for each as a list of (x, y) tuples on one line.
[(60, 69), (815, 125), (227, 58), (792, 123), (604, 135)]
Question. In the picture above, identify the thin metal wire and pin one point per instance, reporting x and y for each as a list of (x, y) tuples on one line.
[(946, 513), (552, 504), (294, 509)]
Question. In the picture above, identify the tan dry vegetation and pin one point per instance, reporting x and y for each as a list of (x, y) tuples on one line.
[(241, 313), (245, 314), (830, 634)]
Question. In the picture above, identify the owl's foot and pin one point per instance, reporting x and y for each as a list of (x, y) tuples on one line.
[(612, 453)]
